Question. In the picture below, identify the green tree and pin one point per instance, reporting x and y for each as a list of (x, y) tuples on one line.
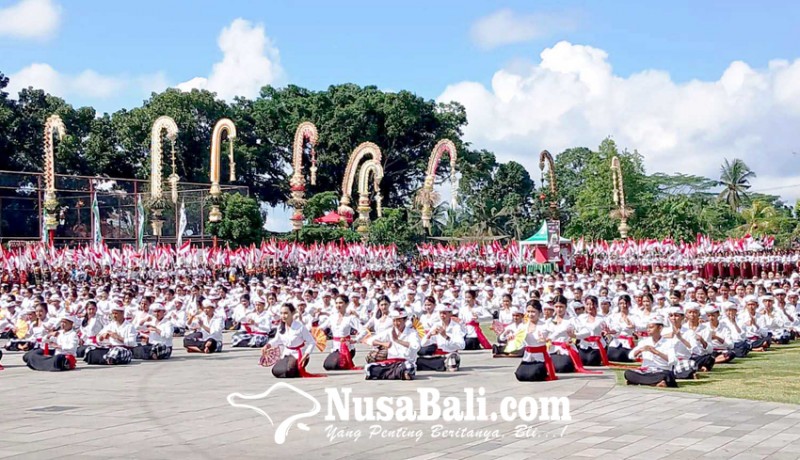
[(242, 223), (323, 234), (403, 125), (735, 179), (319, 204), (594, 199), (761, 219), (394, 227)]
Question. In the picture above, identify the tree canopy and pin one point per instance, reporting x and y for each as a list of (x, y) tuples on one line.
[(494, 197)]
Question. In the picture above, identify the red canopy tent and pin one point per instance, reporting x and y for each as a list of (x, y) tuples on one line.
[(332, 218)]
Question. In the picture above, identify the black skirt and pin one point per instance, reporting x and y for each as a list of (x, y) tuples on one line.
[(619, 354), (286, 368), (195, 339), (394, 371), (590, 357), (36, 360), (635, 377), (562, 363), (706, 361), (331, 362), (534, 371)]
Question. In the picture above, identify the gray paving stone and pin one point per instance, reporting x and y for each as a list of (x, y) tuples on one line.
[(179, 409)]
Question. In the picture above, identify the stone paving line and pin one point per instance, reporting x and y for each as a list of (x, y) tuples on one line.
[(179, 407)]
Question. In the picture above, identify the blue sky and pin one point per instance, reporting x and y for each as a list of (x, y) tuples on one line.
[(687, 84), (417, 45)]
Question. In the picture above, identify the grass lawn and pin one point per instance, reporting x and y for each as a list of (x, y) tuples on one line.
[(769, 376)]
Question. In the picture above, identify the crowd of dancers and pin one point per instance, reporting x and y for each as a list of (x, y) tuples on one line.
[(661, 325)]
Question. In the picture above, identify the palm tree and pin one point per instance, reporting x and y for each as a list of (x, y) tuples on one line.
[(760, 219), (734, 177)]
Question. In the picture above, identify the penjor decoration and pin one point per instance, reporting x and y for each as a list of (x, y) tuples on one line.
[(371, 168), (223, 125), (623, 212), (157, 203), (426, 197), (52, 126), (545, 157), (306, 134), (363, 150)]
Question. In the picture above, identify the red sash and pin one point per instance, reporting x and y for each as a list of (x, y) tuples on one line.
[(627, 339), (599, 341), (548, 362), (387, 362), (481, 338), (575, 357), (301, 368), (250, 330), (440, 352), (345, 360)]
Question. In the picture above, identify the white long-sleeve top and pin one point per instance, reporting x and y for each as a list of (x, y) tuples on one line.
[(342, 326), (535, 338), (652, 362), (164, 334), (215, 326), (67, 342), (91, 330), (397, 351), (469, 314), (454, 341), (260, 323), (559, 332), (731, 330), (586, 326), (294, 336), (623, 327), (125, 330)]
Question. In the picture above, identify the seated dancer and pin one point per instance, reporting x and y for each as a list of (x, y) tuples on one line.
[(90, 327), (157, 338), (757, 338), (256, 327), (297, 343), (402, 345), (772, 320), (440, 345), (536, 365), (721, 345), (470, 315), (207, 335), (623, 327), (506, 346), (658, 356), (732, 332), (114, 342), (65, 344), (428, 318), (23, 339), (177, 317), (343, 326), (684, 367), (700, 337), (561, 332), (379, 323), (590, 330)]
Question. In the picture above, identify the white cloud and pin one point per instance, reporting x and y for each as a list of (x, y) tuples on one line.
[(30, 19), (505, 27), (249, 61), (88, 83), (572, 98)]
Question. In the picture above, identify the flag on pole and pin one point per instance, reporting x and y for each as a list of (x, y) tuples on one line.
[(140, 223), (45, 231), (98, 234), (182, 223)]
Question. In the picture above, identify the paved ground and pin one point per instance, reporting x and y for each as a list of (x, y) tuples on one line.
[(179, 408)]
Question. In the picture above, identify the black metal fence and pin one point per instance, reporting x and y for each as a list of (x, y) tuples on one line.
[(22, 194)]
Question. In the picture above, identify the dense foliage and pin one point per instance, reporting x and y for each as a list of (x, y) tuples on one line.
[(495, 198)]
